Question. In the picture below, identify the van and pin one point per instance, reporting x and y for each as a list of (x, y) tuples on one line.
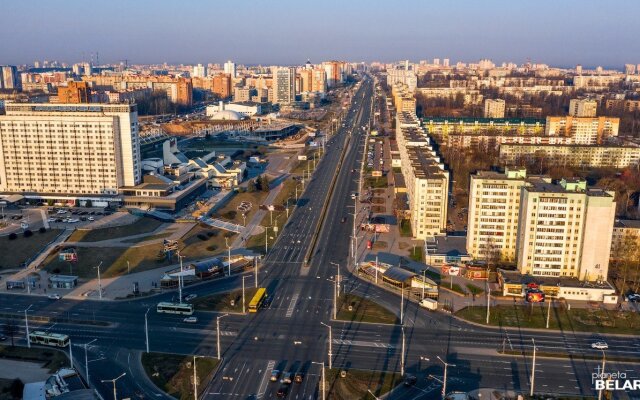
[(429, 304)]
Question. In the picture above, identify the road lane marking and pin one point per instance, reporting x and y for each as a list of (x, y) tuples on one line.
[(263, 382), (292, 305)]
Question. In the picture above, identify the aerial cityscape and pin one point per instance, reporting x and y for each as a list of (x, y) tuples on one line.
[(362, 200)]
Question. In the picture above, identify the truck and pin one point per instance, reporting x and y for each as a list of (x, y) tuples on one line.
[(429, 304)]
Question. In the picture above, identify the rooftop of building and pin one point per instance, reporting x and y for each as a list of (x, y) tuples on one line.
[(451, 246), (18, 108), (424, 166), (515, 277), (627, 223), (570, 185)]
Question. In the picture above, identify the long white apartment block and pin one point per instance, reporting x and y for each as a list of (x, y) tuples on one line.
[(69, 148)]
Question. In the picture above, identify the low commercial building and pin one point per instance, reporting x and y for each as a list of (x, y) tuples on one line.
[(442, 250)]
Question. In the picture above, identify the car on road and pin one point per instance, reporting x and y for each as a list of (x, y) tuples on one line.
[(54, 296), (287, 378), (51, 219), (343, 220), (91, 219), (299, 377), (190, 320), (190, 297), (282, 392), (600, 345), (410, 380), (267, 302), (2, 338), (24, 225), (275, 374)]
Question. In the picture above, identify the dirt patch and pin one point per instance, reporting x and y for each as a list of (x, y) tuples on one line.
[(380, 245), (377, 200), (378, 209)]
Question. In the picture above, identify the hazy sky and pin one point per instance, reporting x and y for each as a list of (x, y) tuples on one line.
[(557, 32)]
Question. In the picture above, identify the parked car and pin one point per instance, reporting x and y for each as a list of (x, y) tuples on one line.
[(600, 345), (91, 219), (54, 296), (410, 380), (190, 297), (190, 320)]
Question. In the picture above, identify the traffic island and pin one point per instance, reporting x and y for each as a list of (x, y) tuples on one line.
[(173, 373), (355, 384), (534, 315), (358, 309), (49, 358), (225, 302)]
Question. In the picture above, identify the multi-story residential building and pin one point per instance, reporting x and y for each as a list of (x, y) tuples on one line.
[(565, 230), (222, 85), (470, 96), (230, 68), (9, 78), (335, 72), (426, 179), (583, 130), (494, 205), (627, 106), (583, 107), (442, 127), (69, 149), (199, 71), (243, 93), (284, 80), (625, 242), (306, 80), (494, 108), (571, 154), (74, 92), (319, 80), (403, 75)]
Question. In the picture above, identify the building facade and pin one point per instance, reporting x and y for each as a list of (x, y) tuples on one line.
[(571, 154), (284, 81), (74, 92), (494, 108), (583, 130), (69, 148), (583, 108)]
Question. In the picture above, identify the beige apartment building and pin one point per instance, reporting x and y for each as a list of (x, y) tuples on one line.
[(494, 205), (69, 148), (625, 241), (583, 130), (565, 230), (572, 154), (494, 108), (426, 179), (583, 107)]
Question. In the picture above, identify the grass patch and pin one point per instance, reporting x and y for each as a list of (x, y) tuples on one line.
[(357, 382), (229, 212), (416, 254), (222, 302), (433, 275), (13, 253), (192, 247), (150, 237), (142, 225), (405, 228), (376, 182), (114, 261), (455, 287), (576, 319), (51, 359), (363, 310), (473, 289), (173, 373)]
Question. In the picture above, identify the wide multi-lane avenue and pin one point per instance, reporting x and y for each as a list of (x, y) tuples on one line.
[(287, 335)]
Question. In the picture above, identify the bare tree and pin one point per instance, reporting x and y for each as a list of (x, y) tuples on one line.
[(11, 329)]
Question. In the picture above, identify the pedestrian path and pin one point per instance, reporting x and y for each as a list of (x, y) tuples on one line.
[(222, 224)]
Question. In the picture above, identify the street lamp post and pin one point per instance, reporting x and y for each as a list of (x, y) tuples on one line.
[(324, 384), (330, 342), (548, 312), (602, 373), (218, 332), (26, 325), (115, 392), (99, 281), (444, 379), (338, 276), (86, 361), (402, 355), (533, 368), (243, 300), (146, 330), (226, 241), (424, 280), (401, 304), (180, 279), (255, 270)]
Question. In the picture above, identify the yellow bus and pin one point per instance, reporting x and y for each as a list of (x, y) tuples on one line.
[(257, 300)]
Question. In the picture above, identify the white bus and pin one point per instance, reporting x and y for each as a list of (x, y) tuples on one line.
[(175, 308), (49, 339)]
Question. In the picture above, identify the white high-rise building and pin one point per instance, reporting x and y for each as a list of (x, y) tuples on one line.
[(565, 230), (9, 78), (583, 107), (284, 85), (199, 71), (445, 62), (230, 68), (69, 148)]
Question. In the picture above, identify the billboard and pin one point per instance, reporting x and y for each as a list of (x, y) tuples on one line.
[(450, 270), (68, 255), (535, 296)]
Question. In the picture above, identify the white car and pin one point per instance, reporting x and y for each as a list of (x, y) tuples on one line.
[(51, 220), (91, 219), (190, 297), (61, 212), (600, 345), (54, 296), (190, 320), (73, 220)]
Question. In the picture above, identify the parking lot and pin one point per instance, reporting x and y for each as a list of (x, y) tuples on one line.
[(63, 217)]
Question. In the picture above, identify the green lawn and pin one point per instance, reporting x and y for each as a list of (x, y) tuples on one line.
[(376, 182), (416, 254), (363, 310), (222, 302), (405, 228), (455, 287), (473, 289), (15, 252), (142, 225), (173, 373), (49, 358), (356, 383), (576, 319)]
